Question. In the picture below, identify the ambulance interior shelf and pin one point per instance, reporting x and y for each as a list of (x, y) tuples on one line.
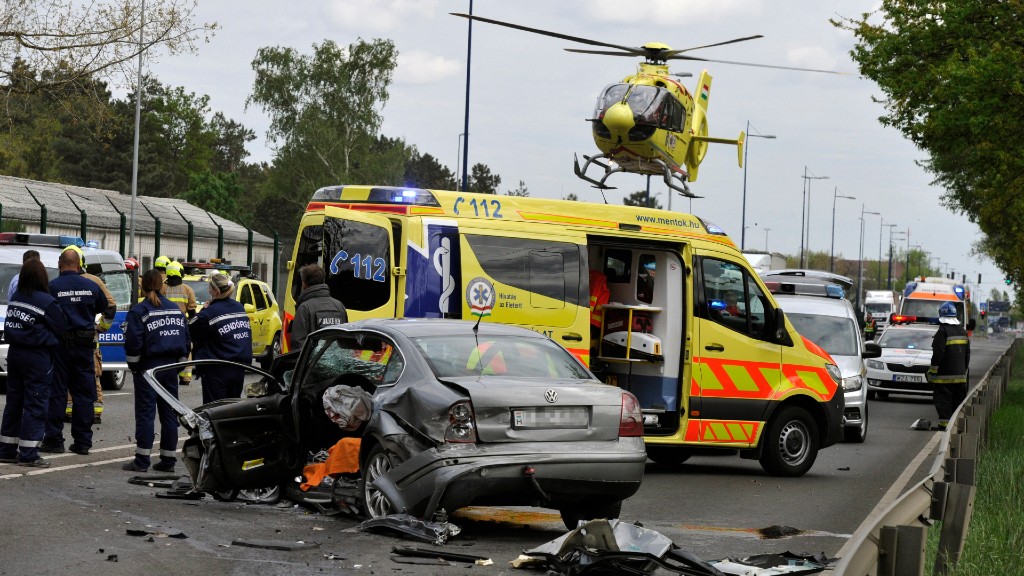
[(626, 334)]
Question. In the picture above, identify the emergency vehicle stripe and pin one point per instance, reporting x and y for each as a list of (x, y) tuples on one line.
[(35, 309), (174, 312), (224, 317), (723, 431), (927, 296), (753, 380)]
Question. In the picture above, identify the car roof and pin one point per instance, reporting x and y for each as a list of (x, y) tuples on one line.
[(817, 305), (12, 254), (419, 327)]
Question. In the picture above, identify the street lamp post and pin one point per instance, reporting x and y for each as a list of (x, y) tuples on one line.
[(805, 216), (889, 277), (860, 259), (881, 225), (743, 212), (465, 131), (832, 251)]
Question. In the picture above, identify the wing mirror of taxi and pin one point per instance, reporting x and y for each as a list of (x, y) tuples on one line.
[(871, 350), (249, 308)]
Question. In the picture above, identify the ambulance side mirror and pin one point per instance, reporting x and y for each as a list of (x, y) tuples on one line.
[(781, 335)]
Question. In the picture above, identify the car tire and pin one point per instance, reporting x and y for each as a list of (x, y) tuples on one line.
[(273, 352), (666, 456), (589, 509), (378, 463), (791, 443), (268, 495), (112, 380), (225, 495), (859, 434)]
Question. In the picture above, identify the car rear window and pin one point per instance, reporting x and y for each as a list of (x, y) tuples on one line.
[(836, 334), (489, 355)]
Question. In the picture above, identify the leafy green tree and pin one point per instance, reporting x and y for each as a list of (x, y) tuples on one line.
[(481, 180), (425, 171), (325, 115), (953, 78), (639, 198), (220, 193), (520, 190)]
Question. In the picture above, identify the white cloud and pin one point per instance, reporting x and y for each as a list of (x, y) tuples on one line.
[(670, 12), (379, 15), (418, 67)]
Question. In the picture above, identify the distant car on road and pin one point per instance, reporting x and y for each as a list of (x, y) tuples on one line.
[(463, 414), (906, 357)]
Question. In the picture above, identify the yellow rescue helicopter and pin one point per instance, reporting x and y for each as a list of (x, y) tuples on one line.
[(649, 123)]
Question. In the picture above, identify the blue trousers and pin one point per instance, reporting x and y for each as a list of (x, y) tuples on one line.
[(75, 373), (221, 382), (147, 406), (29, 378)]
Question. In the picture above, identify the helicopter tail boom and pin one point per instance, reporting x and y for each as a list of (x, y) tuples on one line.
[(739, 142)]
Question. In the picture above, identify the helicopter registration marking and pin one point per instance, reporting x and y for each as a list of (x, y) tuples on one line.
[(489, 208)]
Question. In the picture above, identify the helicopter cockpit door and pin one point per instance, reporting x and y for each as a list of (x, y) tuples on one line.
[(360, 262)]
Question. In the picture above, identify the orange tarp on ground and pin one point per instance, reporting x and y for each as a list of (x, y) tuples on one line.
[(342, 458)]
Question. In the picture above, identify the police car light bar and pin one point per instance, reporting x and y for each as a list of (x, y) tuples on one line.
[(28, 239), (901, 319)]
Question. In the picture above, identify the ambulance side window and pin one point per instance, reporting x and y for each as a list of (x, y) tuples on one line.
[(311, 247), (617, 265), (733, 299)]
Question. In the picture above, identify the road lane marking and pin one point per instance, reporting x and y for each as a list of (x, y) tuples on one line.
[(34, 472)]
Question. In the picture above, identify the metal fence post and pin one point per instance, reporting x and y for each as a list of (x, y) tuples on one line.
[(955, 520), (156, 230), (191, 234), (83, 228), (124, 222), (42, 211)]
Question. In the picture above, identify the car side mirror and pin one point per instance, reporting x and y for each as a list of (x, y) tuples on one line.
[(971, 324), (249, 308), (871, 350), (781, 336)]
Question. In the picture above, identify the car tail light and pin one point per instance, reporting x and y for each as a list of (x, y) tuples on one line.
[(461, 424), (631, 419)]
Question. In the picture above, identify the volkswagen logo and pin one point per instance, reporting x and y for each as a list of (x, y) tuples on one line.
[(551, 396)]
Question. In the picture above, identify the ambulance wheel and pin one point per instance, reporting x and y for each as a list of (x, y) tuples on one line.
[(791, 443), (112, 380), (668, 456), (589, 509)]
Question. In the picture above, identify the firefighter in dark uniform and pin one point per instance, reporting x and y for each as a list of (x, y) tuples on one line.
[(221, 331), (155, 334), (80, 300), (34, 327), (951, 357)]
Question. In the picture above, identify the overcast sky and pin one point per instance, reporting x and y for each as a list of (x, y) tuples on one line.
[(530, 98)]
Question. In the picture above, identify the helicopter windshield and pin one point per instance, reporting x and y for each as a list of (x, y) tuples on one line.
[(651, 105)]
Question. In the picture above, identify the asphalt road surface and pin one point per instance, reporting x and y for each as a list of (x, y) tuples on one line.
[(73, 518)]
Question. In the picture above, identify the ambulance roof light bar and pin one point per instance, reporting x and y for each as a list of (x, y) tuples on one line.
[(29, 239)]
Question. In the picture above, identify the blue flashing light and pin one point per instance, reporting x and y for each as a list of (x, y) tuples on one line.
[(92, 244), (911, 286), (959, 292), (65, 241), (409, 193), (834, 291), (717, 304)]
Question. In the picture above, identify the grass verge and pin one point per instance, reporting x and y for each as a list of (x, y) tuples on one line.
[(995, 537)]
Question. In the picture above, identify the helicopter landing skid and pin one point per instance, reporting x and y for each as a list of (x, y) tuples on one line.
[(672, 180), (582, 172)]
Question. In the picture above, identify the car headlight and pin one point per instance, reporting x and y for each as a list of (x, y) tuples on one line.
[(853, 383), (875, 365), (834, 373)]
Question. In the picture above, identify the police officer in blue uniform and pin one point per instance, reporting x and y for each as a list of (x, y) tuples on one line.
[(155, 334), (80, 300), (34, 327), (221, 331)]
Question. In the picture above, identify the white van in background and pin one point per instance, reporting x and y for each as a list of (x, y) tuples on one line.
[(880, 304)]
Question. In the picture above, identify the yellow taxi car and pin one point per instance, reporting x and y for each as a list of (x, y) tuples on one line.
[(254, 295)]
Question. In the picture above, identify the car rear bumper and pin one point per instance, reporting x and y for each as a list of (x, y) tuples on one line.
[(551, 474)]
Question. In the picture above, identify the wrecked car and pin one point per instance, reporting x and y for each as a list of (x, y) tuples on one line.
[(462, 414)]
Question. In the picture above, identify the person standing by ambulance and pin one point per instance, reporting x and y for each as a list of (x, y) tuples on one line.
[(181, 294), (155, 334), (315, 307), (80, 300), (951, 357), (34, 327), (221, 331)]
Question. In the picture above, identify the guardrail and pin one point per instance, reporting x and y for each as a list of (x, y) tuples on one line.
[(894, 545)]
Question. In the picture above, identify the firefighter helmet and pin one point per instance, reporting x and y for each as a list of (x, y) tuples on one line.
[(161, 263), (174, 268), (947, 310)]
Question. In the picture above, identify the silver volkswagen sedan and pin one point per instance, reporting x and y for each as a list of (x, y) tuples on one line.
[(460, 414)]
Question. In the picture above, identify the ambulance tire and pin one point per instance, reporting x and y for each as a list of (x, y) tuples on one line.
[(791, 443), (589, 509), (668, 456)]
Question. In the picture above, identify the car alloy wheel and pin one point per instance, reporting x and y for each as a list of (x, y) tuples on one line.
[(378, 464)]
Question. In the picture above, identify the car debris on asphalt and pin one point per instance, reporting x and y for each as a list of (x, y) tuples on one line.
[(283, 545), (409, 526)]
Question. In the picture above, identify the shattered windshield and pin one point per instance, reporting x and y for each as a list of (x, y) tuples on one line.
[(373, 359), (515, 356)]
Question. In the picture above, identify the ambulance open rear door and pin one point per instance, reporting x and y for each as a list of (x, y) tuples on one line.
[(359, 260)]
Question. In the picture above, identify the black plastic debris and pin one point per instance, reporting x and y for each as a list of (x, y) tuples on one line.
[(786, 563), (157, 531), (276, 545), (776, 532), (154, 481), (418, 552), (112, 558), (611, 547), (181, 489), (408, 526), (419, 561)]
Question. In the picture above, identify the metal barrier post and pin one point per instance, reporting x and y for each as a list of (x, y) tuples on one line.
[(955, 520), (901, 550)]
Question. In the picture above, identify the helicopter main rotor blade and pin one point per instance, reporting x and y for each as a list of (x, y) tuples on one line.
[(602, 52), (631, 51), (733, 41), (680, 57)]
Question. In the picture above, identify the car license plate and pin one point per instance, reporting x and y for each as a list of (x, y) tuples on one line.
[(906, 378), (544, 417)]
